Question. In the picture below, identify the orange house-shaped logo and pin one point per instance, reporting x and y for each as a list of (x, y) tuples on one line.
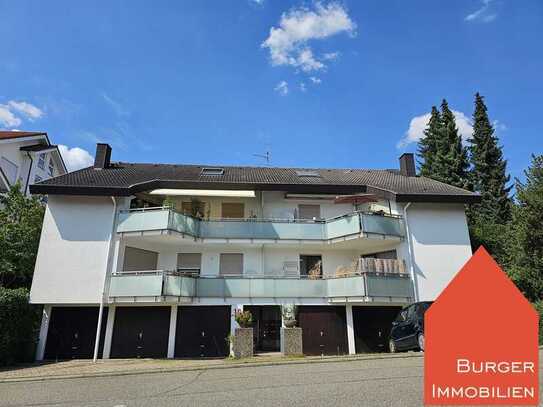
[(481, 340)]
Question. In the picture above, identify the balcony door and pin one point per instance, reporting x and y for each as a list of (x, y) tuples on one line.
[(311, 266)]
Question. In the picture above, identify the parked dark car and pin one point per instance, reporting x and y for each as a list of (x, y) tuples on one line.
[(408, 328)]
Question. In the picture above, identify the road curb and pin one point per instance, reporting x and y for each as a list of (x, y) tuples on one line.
[(212, 367)]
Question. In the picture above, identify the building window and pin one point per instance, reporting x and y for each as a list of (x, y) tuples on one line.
[(231, 264), (309, 212), (189, 262), (139, 260), (37, 178), (41, 161), (233, 210), (10, 170), (51, 166), (311, 266)]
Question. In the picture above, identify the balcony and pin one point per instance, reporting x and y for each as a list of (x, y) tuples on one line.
[(351, 225), (369, 280)]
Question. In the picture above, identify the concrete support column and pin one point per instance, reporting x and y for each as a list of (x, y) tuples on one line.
[(350, 329), (233, 323), (44, 328), (109, 331), (173, 328)]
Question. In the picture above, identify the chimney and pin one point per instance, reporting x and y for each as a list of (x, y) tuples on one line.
[(103, 155), (407, 165)]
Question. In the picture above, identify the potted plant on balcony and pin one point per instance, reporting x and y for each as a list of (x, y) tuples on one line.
[(242, 345)]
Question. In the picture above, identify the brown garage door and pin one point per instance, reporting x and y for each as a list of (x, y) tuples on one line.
[(141, 332), (324, 330), (202, 331)]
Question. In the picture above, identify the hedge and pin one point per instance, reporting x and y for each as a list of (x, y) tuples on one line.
[(19, 326), (539, 308)]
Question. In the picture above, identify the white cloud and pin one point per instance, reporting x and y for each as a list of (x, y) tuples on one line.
[(330, 56), (7, 118), (282, 88), (418, 123), (483, 14), (315, 80), (12, 113), (257, 2), (303, 88), (28, 110), (288, 43), (75, 158)]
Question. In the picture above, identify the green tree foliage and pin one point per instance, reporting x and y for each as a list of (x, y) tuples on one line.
[(526, 246), (20, 228), (443, 156), (488, 173), (427, 148), (451, 161), (19, 323), (538, 305)]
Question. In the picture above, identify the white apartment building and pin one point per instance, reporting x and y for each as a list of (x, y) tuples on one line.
[(27, 157), (152, 260)]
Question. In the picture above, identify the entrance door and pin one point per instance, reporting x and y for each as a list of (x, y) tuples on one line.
[(202, 331), (266, 327), (72, 333), (141, 332), (324, 330)]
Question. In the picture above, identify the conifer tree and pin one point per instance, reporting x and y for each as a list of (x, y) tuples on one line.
[(526, 248), (451, 161), (488, 175), (427, 147)]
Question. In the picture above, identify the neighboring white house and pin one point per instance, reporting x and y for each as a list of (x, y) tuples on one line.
[(27, 157), (156, 258)]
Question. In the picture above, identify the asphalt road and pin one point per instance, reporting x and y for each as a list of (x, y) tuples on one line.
[(385, 382)]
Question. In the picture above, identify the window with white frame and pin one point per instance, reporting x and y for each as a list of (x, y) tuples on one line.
[(231, 264), (51, 166), (10, 170), (41, 161)]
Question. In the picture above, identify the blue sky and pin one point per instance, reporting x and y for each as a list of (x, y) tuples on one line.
[(334, 84)]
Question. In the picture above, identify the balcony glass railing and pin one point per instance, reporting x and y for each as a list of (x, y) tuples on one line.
[(360, 284), (148, 219)]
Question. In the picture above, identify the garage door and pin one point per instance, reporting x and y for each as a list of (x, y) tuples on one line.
[(72, 333), (202, 331), (141, 332), (324, 330), (372, 327)]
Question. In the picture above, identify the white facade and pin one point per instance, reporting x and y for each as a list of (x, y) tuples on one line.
[(28, 167), (76, 247), (74, 250)]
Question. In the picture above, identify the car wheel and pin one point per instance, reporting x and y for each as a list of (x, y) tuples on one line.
[(420, 341), (392, 346)]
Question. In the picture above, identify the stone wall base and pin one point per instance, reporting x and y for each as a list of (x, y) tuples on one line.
[(243, 343), (291, 341)]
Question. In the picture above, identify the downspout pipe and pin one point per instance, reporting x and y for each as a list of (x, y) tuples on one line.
[(29, 171), (410, 251), (108, 263)]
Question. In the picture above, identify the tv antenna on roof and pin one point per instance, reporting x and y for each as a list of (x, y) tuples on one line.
[(266, 157)]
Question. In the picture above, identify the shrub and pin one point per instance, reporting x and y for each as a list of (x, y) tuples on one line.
[(19, 326), (539, 308), (244, 318)]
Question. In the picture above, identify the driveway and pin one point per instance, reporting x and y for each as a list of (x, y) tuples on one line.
[(364, 382)]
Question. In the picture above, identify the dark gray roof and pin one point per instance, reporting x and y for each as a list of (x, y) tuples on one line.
[(124, 179)]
